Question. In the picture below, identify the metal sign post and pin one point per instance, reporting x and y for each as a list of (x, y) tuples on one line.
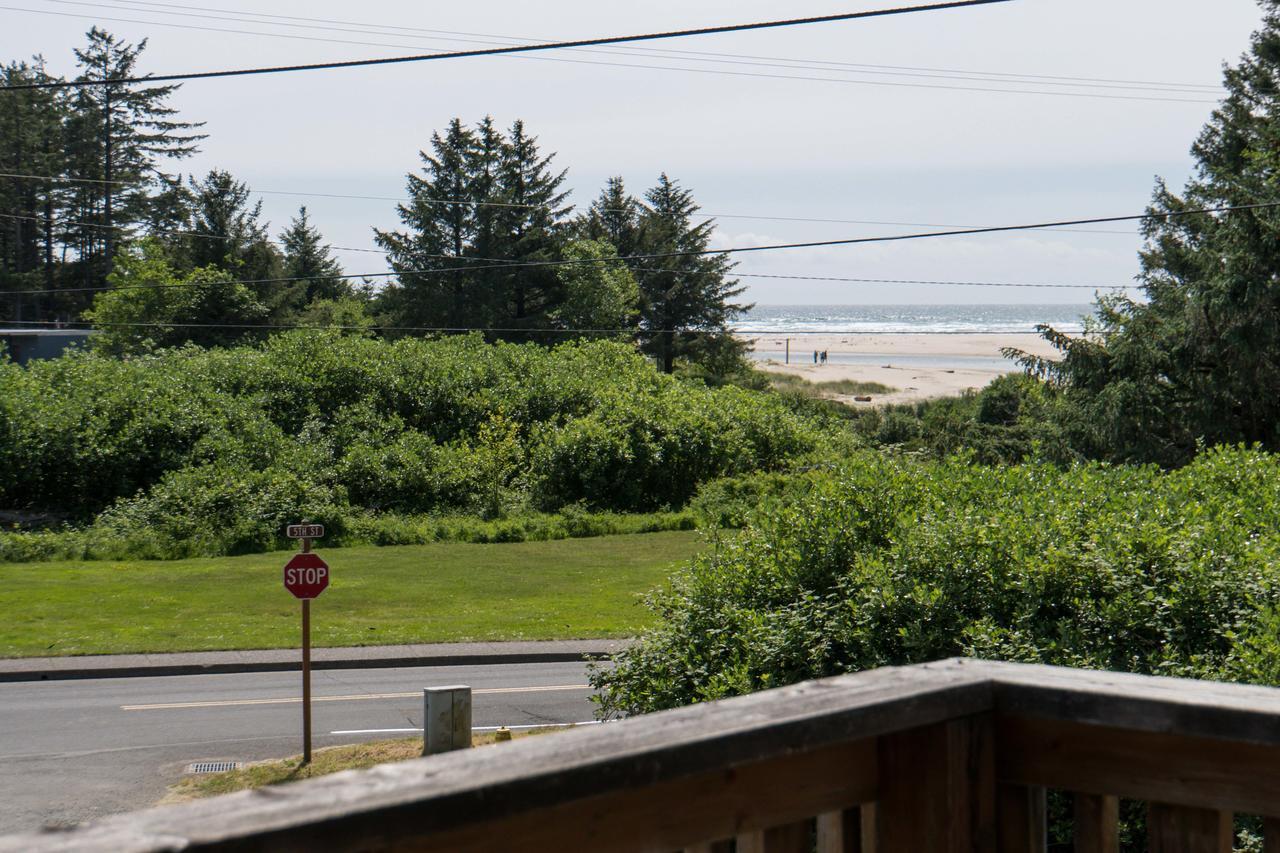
[(306, 576), (306, 670)]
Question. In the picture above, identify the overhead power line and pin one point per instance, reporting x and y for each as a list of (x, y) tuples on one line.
[(936, 282), (696, 56), (507, 204), (616, 64), (452, 35), (512, 49), (893, 238), (36, 325), (855, 241), (183, 285)]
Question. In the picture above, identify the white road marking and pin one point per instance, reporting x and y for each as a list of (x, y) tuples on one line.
[(417, 694), (473, 728)]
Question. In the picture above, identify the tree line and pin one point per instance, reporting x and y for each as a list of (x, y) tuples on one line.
[(95, 226)]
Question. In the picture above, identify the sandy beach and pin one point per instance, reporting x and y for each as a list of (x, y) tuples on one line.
[(918, 367)]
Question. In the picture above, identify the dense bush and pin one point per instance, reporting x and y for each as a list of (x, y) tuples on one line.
[(1013, 419), (894, 560), (212, 451), (103, 542)]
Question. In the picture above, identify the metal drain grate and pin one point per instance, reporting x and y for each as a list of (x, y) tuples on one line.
[(214, 766)]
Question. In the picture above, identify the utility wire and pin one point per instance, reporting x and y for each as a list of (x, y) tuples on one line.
[(517, 205), (769, 62), (498, 51), (525, 48), (37, 325), (494, 39), (892, 238), (510, 265), (948, 283), (497, 263), (183, 285)]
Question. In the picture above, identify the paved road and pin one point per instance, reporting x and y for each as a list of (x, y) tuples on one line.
[(75, 750)]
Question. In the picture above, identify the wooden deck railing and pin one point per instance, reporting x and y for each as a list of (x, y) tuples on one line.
[(950, 756)]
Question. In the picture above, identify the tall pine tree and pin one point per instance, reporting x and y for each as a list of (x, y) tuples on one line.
[(226, 231), (306, 256), (1197, 361), (31, 155), (316, 274), (685, 296), (118, 137), (485, 204), (531, 229), (433, 287), (614, 217)]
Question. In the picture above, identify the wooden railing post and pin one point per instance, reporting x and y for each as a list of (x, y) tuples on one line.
[(848, 831), (711, 847), (792, 838), (1185, 829), (937, 789), (1023, 827), (1097, 824), (1271, 835)]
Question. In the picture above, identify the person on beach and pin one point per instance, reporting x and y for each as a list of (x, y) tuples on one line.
[(815, 356), (824, 356)]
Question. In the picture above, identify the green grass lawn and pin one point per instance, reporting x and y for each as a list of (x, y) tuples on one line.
[(572, 588)]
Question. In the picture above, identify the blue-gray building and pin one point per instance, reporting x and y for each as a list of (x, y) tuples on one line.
[(23, 345)]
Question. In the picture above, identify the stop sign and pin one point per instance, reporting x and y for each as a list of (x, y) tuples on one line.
[(306, 575)]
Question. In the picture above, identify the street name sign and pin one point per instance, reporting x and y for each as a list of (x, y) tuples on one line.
[(306, 576), (305, 531)]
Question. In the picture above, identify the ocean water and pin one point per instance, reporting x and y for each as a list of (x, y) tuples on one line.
[(911, 319)]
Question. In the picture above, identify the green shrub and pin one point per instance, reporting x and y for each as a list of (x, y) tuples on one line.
[(223, 509), (891, 560), (346, 425), (640, 455)]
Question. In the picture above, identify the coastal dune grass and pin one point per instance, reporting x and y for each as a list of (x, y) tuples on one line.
[(826, 388), (443, 592)]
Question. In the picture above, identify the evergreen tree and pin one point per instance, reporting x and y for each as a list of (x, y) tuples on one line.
[(226, 232), (684, 294), (307, 258), (1199, 359), (483, 201), (483, 189), (30, 145), (116, 138), (429, 257), (531, 228), (169, 212), (614, 217)]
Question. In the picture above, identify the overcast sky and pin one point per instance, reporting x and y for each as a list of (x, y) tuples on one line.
[(877, 146)]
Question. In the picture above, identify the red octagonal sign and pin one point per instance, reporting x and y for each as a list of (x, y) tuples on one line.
[(306, 575)]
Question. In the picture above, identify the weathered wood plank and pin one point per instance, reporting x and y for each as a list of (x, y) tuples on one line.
[(840, 832), (1202, 772), (1021, 823), (937, 789), (792, 838), (1097, 823), (458, 791), (1179, 742), (870, 818), (1271, 835), (710, 847), (1209, 709), (673, 815), (1182, 829)]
